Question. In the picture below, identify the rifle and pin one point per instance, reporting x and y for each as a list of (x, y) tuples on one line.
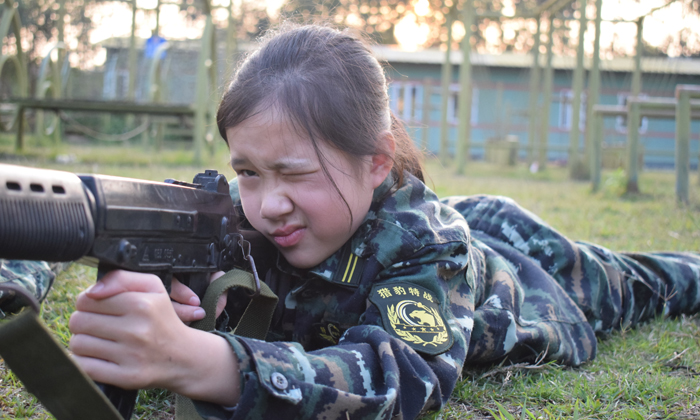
[(164, 228)]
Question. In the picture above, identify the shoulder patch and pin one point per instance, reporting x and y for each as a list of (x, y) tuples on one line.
[(412, 314), (350, 269)]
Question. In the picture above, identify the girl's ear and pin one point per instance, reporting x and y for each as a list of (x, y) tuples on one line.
[(383, 160)]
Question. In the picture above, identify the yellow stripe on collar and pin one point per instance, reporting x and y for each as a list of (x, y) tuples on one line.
[(350, 269)]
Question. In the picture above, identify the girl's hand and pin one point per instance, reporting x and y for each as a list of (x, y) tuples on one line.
[(126, 333), (186, 302)]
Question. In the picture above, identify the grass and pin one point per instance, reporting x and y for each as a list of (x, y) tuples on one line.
[(649, 372)]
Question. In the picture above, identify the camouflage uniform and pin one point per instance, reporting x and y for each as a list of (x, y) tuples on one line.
[(34, 276), (332, 353), (343, 345), (541, 293)]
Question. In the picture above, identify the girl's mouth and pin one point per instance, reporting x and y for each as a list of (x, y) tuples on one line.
[(290, 239)]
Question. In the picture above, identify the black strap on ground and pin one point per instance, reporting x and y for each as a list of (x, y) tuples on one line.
[(47, 371), (253, 324)]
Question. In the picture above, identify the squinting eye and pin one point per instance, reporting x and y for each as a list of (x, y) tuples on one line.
[(300, 173), (245, 172)]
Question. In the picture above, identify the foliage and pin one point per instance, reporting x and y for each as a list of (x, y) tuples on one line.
[(375, 17), (379, 18), (40, 32), (40, 28), (250, 18)]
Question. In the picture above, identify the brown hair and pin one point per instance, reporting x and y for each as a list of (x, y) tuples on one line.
[(329, 85)]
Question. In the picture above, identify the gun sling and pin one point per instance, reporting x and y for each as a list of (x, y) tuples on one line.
[(254, 322), (47, 371)]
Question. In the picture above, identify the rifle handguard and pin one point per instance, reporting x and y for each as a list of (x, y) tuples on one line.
[(43, 212)]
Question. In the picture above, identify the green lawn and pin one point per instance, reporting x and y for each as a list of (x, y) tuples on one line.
[(649, 372)]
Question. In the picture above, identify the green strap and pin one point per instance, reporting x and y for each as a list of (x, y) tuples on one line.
[(254, 322), (47, 371), (257, 317)]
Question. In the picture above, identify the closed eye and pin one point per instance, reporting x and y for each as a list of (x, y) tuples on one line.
[(299, 172)]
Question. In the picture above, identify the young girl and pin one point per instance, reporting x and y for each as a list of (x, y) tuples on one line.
[(384, 289)]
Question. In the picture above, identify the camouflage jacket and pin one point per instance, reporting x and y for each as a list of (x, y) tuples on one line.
[(370, 332), (36, 277)]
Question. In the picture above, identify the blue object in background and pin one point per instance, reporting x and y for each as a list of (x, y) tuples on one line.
[(152, 44)]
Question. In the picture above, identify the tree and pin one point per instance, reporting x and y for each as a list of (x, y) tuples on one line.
[(40, 29), (375, 17), (379, 18)]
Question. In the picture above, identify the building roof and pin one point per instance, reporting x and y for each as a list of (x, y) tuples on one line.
[(434, 56), (392, 54)]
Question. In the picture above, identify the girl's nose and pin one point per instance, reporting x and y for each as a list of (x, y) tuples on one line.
[(275, 204)]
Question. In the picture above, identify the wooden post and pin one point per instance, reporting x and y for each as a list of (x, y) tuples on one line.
[(213, 82), (60, 27), (596, 125), (682, 144), (534, 95), (446, 81), (465, 93), (19, 146), (132, 54), (156, 30), (593, 88), (546, 98), (57, 82), (57, 85), (231, 39), (201, 105), (427, 93), (131, 87), (508, 113), (574, 134), (683, 114), (633, 117)]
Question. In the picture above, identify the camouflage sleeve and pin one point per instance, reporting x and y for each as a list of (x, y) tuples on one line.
[(372, 372), (36, 277)]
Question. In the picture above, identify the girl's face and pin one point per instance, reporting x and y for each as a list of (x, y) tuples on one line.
[(287, 196)]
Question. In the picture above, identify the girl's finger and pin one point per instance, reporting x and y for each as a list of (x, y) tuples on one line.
[(221, 304), (183, 294), (120, 304), (188, 313), (94, 324), (90, 346), (120, 281), (215, 276), (109, 373)]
